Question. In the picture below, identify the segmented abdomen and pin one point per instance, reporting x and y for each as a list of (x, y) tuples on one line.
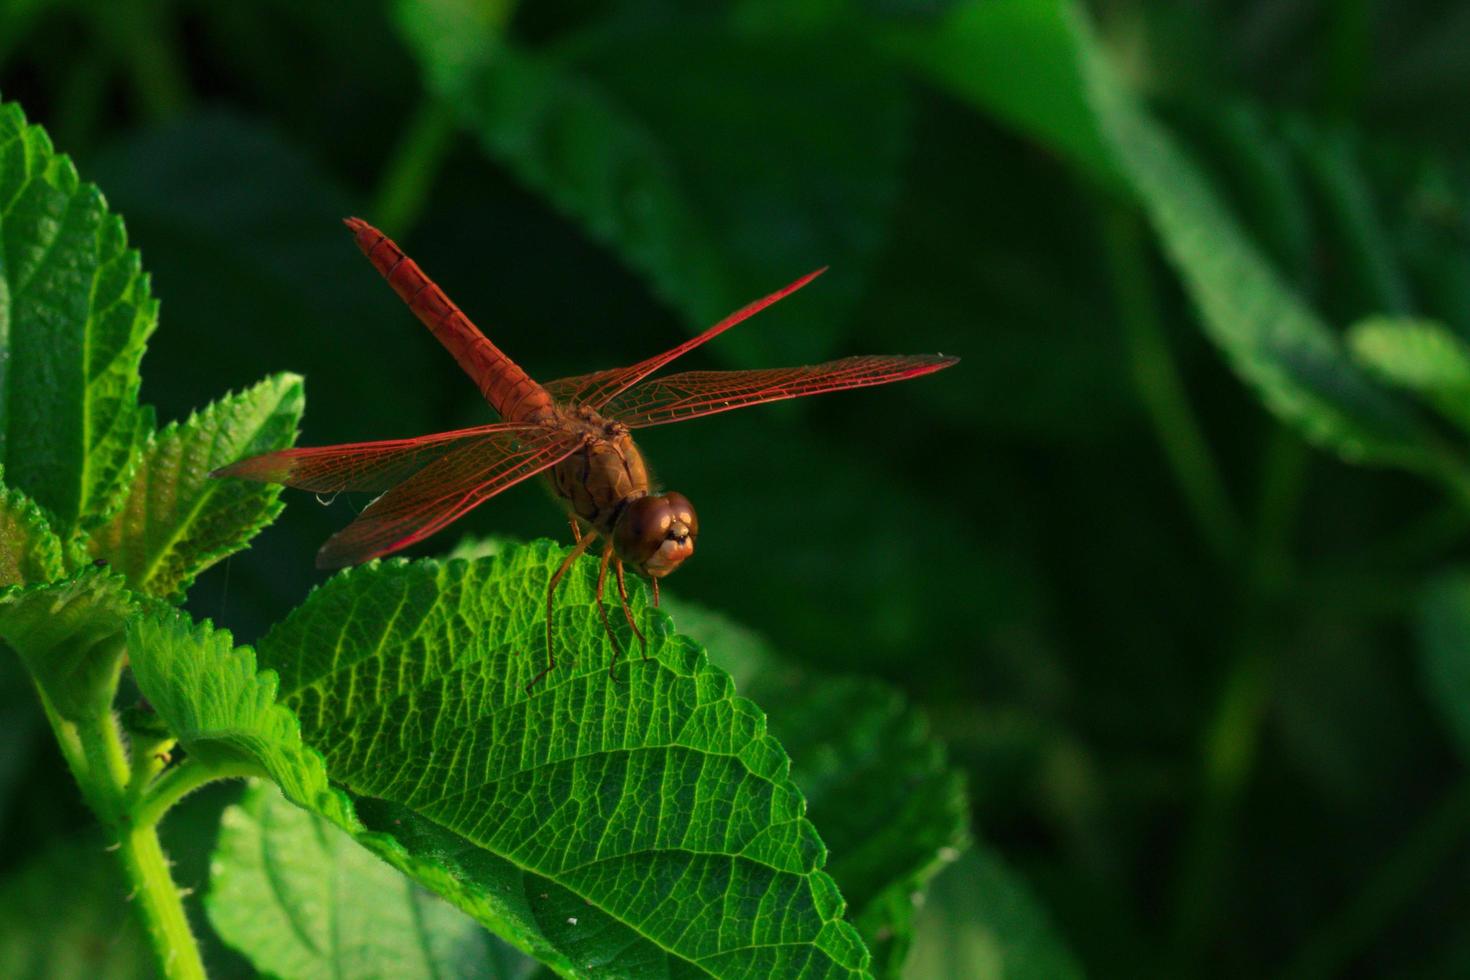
[(508, 389)]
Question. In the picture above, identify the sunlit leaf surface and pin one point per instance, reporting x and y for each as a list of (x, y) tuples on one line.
[(889, 807), (74, 317)]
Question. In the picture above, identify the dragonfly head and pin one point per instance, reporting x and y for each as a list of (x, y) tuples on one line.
[(656, 533)]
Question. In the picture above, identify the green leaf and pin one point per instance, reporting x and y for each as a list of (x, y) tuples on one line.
[(300, 898), (176, 520), (30, 552), (646, 824), (63, 917), (892, 812), (224, 712), (572, 821), (677, 179), (70, 636), (1271, 337), (74, 318), (1444, 652), (980, 921), (1420, 356)]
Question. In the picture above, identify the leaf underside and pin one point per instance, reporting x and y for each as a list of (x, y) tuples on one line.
[(301, 899)]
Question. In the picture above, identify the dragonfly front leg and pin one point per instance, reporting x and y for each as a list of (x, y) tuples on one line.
[(628, 613), (607, 554), (572, 556), (576, 531)]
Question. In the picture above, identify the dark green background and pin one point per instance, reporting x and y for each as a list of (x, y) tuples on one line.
[(1199, 747)]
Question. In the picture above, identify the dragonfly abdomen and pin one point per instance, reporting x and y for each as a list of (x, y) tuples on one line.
[(508, 389)]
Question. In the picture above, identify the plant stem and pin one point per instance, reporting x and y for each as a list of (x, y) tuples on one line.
[(179, 782), (1160, 387), (160, 904), (1422, 852), (93, 748), (1232, 739), (416, 160)]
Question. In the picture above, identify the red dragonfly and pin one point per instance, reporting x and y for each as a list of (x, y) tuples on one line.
[(577, 431)]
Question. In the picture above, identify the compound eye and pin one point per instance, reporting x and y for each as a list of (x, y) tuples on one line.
[(683, 512), (641, 528)]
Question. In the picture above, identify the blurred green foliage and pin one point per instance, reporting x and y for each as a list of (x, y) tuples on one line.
[(1172, 645)]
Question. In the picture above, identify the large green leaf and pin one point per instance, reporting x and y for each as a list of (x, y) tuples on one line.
[(74, 317), (301, 899), (30, 552), (645, 824), (70, 636), (677, 178), (176, 520), (1272, 338), (891, 810), (63, 916)]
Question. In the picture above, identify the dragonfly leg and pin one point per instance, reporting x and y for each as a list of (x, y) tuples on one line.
[(655, 593), (628, 613), (576, 531), (607, 554), (572, 556)]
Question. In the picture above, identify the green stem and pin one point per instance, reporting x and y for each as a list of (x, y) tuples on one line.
[(1421, 853), (179, 782), (1232, 739), (159, 904), (93, 748), (415, 163), (1160, 387)]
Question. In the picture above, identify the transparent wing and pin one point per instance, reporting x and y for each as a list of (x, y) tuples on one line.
[(599, 388), (695, 393), (371, 467), (445, 490)]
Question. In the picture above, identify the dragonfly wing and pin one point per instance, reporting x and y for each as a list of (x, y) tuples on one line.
[(445, 490), (599, 388), (695, 393), (370, 467)]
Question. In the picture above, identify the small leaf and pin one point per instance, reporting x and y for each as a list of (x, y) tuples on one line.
[(70, 636), (176, 520), (892, 812), (1444, 652), (640, 825), (29, 551), (224, 712), (981, 921), (301, 899), (75, 316), (1420, 356), (63, 917), (677, 179)]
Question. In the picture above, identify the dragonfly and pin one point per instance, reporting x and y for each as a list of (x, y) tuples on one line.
[(576, 432)]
